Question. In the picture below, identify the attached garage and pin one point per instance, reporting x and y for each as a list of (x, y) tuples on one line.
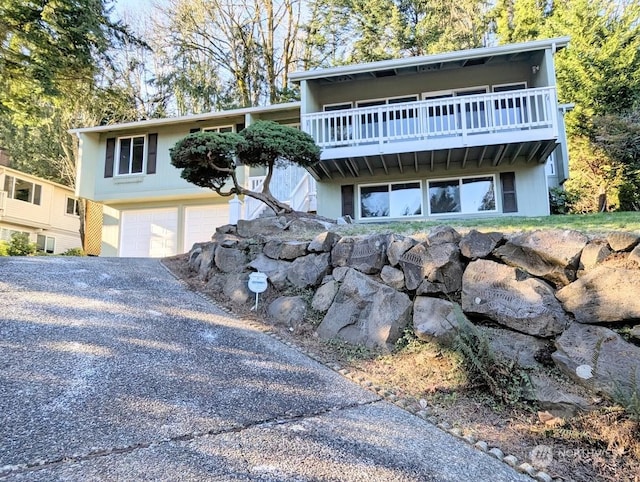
[(201, 222), (149, 233)]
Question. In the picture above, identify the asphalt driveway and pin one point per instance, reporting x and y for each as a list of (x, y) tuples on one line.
[(110, 369)]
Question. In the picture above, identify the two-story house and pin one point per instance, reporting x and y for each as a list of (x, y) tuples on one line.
[(460, 133), (149, 210), (469, 133), (45, 210)]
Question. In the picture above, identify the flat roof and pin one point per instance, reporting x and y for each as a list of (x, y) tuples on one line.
[(189, 118), (412, 63)]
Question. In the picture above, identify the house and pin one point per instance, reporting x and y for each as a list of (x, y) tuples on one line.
[(45, 210), (461, 133), (148, 209), (470, 133)]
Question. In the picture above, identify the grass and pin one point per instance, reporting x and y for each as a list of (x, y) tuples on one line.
[(595, 223)]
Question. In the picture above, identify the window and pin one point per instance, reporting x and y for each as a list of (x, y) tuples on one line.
[(396, 122), (220, 129), (46, 244), (5, 234), (391, 200), (465, 195), (72, 206), (22, 190), (130, 155)]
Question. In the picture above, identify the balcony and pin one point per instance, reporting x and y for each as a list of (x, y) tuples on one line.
[(440, 132)]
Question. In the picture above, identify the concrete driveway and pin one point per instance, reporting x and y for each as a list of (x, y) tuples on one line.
[(111, 370)]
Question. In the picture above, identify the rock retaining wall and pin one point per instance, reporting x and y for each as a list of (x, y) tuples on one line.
[(530, 293)]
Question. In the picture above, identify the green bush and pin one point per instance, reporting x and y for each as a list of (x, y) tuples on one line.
[(20, 245), (561, 201), (73, 252), (4, 248)]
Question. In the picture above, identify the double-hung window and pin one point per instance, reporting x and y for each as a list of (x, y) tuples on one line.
[(131, 155), (22, 190), (46, 244)]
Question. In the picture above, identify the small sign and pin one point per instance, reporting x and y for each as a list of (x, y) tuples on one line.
[(258, 282)]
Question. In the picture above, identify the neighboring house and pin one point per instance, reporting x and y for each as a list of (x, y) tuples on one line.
[(149, 210), (461, 133), (45, 210), (470, 133)]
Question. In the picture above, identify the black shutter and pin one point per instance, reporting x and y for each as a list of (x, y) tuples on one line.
[(108, 160), (194, 130), (240, 127), (152, 153), (348, 200), (509, 200)]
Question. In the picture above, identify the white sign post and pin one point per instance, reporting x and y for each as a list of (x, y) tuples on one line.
[(257, 284)]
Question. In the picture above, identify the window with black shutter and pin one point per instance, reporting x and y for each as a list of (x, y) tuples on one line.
[(348, 200), (109, 157)]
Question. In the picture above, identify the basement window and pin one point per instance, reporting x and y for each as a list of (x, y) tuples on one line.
[(392, 200), (462, 196)]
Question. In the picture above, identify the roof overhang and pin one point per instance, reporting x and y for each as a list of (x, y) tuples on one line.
[(208, 116), (448, 60)]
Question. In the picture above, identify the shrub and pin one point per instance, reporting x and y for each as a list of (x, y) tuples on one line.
[(73, 252), (561, 201), (4, 248), (20, 245)]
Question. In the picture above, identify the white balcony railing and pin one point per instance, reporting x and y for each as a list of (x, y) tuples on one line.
[(444, 117)]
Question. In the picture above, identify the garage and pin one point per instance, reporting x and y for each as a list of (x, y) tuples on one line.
[(201, 222), (149, 233)]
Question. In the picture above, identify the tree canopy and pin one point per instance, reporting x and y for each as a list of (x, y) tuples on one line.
[(210, 159)]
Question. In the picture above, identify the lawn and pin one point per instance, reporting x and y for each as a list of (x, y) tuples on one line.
[(588, 223)]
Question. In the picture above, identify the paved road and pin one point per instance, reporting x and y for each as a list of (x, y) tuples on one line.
[(111, 370)]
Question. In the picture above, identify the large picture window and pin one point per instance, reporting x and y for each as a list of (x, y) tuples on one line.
[(464, 195), (22, 190), (392, 200), (130, 155)]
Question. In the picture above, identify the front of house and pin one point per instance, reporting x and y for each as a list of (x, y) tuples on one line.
[(465, 133), (469, 133), (45, 210)]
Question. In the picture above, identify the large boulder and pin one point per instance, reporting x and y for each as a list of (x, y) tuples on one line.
[(233, 286), (434, 320), (517, 347), (230, 260), (603, 295), (206, 260), (594, 253), (277, 249), (308, 270), (599, 358), (475, 244), (275, 270), (635, 255), (550, 254), (261, 226), (367, 254), (512, 298), (366, 312), (309, 224), (623, 240), (288, 310), (323, 242), (439, 265), (324, 296), (392, 277), (398, 245), (443, 234), (560, 399)]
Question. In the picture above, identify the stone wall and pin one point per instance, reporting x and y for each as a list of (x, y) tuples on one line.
[(529, 293)]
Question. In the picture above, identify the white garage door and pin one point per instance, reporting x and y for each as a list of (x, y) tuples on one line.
[(201, 222), (149, 233)]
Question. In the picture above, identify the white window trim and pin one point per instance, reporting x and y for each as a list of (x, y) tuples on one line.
[(349, 104), (468, 89), (389, 184), (387, 99), (509, 84), (46, 239), (116, 160), (75, 203), (217, 128), (437, 93), (459, 179), (32, 192)]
